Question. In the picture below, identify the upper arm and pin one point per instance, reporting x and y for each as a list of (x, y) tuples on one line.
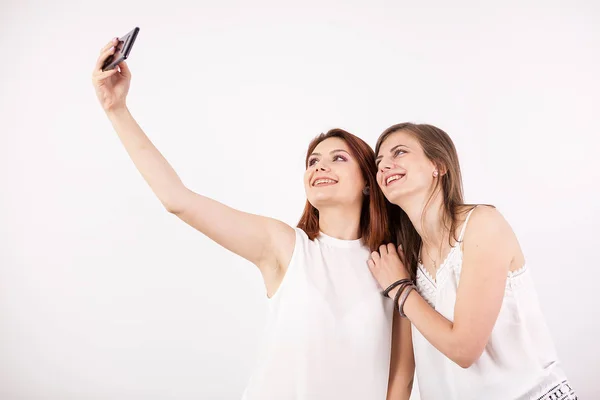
[(488, 251), (261, 240), (402, 364)]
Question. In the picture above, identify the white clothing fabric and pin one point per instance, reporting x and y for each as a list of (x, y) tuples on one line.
[(329, 330), (519, 360)]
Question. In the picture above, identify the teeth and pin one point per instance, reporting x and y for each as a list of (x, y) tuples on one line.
[(320, 181), (392, 178)]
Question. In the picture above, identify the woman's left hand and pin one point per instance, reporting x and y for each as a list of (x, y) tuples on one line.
[(386, 266)]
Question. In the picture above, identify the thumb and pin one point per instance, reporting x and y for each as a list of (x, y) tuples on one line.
[(125, 71)]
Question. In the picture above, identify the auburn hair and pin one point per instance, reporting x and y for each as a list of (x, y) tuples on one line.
[(374, 211)]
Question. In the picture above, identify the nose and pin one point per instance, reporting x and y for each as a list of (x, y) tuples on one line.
[(321, 166), (384, 165)]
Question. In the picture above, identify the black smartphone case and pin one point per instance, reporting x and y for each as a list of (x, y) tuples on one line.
[(123, 50)]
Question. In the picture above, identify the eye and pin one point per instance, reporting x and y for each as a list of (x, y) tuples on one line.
[(399, 152), (338, 157), (312, 162)]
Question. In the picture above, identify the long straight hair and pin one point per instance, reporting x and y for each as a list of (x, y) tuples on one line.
[(374, 212), (439, 148)]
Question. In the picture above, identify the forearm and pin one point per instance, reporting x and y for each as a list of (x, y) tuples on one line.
[(399, 390), (154, 168), (402, 362)]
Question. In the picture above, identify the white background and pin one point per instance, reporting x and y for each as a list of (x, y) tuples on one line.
[(104, 295)]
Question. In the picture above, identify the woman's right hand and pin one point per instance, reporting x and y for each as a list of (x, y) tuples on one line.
[(111, 86), (266, 242)]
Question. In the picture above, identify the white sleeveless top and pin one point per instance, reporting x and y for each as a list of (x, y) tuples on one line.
[(329, 330), (519, 360)]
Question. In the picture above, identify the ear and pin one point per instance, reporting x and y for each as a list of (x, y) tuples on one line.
[(441, 168)]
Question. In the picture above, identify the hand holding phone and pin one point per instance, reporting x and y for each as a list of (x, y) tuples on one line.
[(112, 83), (122, 50)]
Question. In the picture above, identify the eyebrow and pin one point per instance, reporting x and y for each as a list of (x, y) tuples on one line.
[(391, 151), (331, 152)]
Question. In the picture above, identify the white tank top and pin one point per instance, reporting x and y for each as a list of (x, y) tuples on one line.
[(519, 360), (329, 330)]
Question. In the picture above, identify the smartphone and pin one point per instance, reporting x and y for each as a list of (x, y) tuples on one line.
[(122, 51)]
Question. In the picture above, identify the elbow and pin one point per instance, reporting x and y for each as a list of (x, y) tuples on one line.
[(467, 358), (465, 362), (172, 208), (467, 355), (175, 203), (175, 208)]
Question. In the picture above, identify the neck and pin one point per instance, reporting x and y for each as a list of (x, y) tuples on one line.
[(429, 223), (340, 222)]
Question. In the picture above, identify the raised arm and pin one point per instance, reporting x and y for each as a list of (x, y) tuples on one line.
[(266, 242)]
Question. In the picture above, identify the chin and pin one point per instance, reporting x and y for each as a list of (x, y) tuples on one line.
[(396, 196), (326, 193), (329, 201), (320, 200)]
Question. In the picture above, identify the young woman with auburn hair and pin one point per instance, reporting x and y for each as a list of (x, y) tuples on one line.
[(329, 331)]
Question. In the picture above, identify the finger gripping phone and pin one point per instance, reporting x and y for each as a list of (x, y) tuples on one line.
[(122, 51)]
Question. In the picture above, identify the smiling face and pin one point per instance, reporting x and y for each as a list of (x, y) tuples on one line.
[(339, 166), (417, 166), (403, 169), (333, 175)]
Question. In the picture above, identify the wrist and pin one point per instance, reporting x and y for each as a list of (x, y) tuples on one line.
[(397, 284), (402, 299), (117, 111), (392, 293)]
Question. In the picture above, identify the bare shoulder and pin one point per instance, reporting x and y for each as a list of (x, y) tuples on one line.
[(487, 226)]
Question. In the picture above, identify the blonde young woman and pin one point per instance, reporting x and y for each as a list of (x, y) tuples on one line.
[(478, 331)]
